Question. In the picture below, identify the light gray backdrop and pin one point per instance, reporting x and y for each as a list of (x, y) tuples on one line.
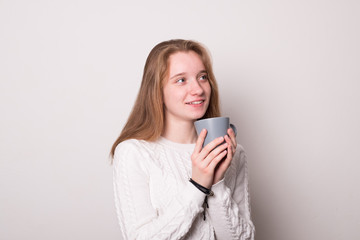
[(289, 79)]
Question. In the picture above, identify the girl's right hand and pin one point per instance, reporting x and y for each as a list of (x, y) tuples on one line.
[(204, 160)]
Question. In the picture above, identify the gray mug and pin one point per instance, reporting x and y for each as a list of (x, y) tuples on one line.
[(216, 127)]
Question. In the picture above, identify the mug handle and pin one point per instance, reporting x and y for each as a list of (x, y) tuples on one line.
[(233, 128)]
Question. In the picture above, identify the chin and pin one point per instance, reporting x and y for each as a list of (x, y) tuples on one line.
[(197, 116)]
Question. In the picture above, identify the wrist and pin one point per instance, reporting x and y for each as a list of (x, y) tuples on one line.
[(205, 190), (203, 181), (218, 179)]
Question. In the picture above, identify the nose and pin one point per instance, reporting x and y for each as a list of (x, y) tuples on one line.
[(196, 88)]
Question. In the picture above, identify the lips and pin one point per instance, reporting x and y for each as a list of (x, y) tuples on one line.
[(197, 102)]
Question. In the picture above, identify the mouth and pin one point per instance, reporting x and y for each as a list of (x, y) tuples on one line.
[(197, 102)]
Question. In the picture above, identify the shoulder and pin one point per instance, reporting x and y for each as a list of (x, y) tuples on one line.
[(130, 149), (133, 150), (128, 146), (135, 144), (129, 161)]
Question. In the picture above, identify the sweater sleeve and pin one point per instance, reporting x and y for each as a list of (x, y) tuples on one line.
[(229, 209), (137, 217)]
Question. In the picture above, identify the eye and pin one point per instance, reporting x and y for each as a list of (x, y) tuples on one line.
[(181, 80), (203, 77)]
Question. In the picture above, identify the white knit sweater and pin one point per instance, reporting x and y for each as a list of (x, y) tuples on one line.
[(155, 200)]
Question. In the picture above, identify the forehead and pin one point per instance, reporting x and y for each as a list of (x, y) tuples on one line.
[(185, 62)]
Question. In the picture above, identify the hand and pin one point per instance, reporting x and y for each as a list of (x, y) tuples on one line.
[(231, 149), (204, 160)]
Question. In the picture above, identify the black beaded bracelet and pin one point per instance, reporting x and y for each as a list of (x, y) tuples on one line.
[(205, 190)]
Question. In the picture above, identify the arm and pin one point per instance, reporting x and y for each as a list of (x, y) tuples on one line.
[(137, 217), (229, 209)]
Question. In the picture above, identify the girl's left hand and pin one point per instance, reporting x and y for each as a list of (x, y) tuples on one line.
[(225, 163)]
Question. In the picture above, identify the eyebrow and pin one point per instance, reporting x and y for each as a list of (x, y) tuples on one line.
[(183, 73), (201, 72), (177, 75)]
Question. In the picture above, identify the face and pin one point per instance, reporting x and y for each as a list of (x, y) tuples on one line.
[(186, 89)]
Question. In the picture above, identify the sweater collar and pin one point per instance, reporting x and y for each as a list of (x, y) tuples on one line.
[(177, 146)]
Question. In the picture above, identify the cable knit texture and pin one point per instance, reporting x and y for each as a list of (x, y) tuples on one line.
[(155, 200)]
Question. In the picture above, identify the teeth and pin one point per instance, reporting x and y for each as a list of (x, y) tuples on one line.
[(197, 102)]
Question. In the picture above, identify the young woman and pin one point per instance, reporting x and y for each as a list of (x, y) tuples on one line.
[(167, 186)]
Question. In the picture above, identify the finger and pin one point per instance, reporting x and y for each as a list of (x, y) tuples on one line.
[(213, 154), (225, 164), (231, 152), (230, 142), (217, 159), (232, 136), (210, 147), (200, 141)]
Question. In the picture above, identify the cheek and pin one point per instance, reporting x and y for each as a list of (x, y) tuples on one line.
[(207, 89), (165, 97), (171, 97)]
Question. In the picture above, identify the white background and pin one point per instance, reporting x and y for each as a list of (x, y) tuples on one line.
[(289, 79)]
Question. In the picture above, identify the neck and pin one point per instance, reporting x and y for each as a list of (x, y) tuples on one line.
[(180, 131)]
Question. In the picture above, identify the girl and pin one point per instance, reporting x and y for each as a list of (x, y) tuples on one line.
[(167, 186)]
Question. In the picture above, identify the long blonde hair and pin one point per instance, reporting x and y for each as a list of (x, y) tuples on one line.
[(146, 121)]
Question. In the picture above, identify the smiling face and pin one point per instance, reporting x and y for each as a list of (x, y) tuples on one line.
[(186, 88)]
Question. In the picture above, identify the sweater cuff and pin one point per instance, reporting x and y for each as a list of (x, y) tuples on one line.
[(193, 196), (220, 191)]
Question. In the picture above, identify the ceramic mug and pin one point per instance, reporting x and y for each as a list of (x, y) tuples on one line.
[(216, 127)]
